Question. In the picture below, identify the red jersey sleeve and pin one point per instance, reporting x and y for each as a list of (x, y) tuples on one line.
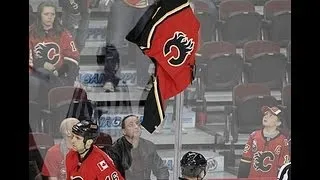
[(247, 151), (284, 154), (69, 50), (107, 170)]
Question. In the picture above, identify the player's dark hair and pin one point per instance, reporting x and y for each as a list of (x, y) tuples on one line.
[(125, 118), (38, 30)]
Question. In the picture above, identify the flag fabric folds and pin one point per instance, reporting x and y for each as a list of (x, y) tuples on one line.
[(168, 34)]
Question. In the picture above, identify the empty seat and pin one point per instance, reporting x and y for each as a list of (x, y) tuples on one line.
[(221, 66), (103, 140), (286, 102), (208, 16), (239, 22), (264, 63), (66, 102), (289, 63), (277, 15)]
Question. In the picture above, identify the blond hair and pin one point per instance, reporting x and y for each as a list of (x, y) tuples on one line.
[(66, 126)]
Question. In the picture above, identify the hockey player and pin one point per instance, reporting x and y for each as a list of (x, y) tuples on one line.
[(87, 161), (193, 166)]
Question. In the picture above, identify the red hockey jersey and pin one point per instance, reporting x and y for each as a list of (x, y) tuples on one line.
[(168, 34), (266, 156), (52, 49), (96, 165)]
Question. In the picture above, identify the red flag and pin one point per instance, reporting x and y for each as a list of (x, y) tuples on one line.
[(168, 34)]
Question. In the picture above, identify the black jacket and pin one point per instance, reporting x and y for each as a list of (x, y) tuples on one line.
[(137, 164)]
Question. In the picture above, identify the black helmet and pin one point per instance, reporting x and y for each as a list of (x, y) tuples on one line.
[(86, 129), (192, 164)]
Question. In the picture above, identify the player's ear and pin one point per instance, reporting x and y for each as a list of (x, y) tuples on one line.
[(89, 143), (123, 132)]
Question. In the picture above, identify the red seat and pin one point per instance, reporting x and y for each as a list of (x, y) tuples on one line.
[(277, 15), (64, 102), (264, 64), (245, 114), (103, 140), (221, 66), (286, 101), (239, 22)]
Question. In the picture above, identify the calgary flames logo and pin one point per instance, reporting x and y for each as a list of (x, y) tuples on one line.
[(47, 52), (183, 45), (259, 161)]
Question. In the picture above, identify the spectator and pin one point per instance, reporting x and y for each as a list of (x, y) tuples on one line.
[(111, 66), (75, 17), (266, 150), (123, 17), (86, 160), (54, 162), (193, 166), (134, 156), (53, 56)]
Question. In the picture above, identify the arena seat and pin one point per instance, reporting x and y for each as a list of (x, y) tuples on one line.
[(208, 16), (64, 102), (221, 66), (238, 22), (245, 115), (264, 64), (277, 21), (286, 102)]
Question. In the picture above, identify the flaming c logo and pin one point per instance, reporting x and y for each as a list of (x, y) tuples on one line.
[(182, 44)]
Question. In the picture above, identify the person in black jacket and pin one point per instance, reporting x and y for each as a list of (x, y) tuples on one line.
[(134, 156)]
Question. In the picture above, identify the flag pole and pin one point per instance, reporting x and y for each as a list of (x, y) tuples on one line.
[(177, 143)]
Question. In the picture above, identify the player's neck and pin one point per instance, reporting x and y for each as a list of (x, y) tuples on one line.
[(270, 130), (84, 153)]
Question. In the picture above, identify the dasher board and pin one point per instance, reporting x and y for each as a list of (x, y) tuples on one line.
[(193, 136), (135, 94), (226, 96)]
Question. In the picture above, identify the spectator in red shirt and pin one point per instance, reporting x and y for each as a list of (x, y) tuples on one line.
[(266, 149), (53, 55), (54, 162)]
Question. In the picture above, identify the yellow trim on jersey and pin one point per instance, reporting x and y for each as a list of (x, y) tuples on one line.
[(155, 85), (72, 60), (162, 19), (246, 161)]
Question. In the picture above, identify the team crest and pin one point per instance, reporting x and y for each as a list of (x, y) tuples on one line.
[(260, 161), (183, 45), (47, 51)]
